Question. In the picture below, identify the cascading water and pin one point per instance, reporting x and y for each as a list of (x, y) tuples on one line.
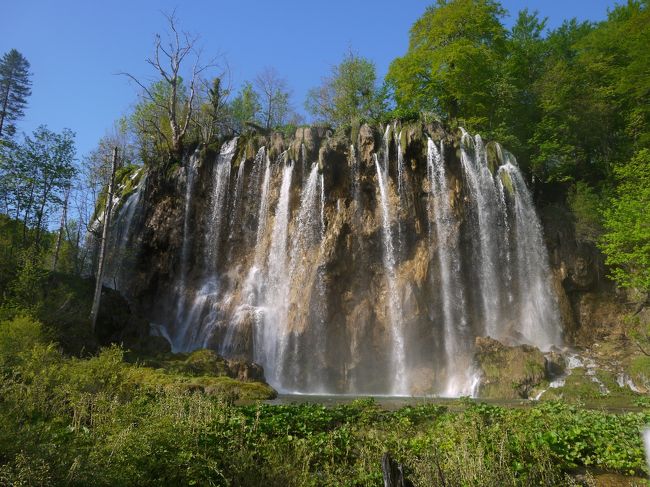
[(271, 335), (450, 286), (486, 224), (342, 289), (116, 273), (191, 333), (218, 203), (307, 235), (190, 176), (538, 307), (399, 379)]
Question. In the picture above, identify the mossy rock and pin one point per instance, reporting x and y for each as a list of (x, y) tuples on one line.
[(508, 372), (507, 182), (494, 160)]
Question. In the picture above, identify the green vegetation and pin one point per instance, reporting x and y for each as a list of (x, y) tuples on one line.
[(571, 104), (102, 421), (626, 242), (15, 87), (349, 95)]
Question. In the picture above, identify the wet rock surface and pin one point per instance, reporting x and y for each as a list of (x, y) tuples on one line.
[(336, 329)]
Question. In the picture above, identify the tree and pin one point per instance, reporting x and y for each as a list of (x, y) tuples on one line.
[(518, 110), (626, 242), (45, 171), (274, 94), (14, 90), (168, 97), (350, 93), (103, 243), (211, 118), (245, 107), (453, 62)]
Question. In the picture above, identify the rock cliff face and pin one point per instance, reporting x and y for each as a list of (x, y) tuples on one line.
[(367, 262)]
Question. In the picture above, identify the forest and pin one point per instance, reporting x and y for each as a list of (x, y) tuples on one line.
[(92, 399)]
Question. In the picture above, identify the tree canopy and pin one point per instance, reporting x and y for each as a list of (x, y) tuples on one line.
[(15, 87), (350, 93)]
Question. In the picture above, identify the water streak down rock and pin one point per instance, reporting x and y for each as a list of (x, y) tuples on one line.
[(367, 266)]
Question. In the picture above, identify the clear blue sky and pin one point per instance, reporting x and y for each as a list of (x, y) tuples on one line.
[(75, 47)]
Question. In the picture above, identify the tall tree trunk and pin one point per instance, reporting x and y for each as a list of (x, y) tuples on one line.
[(64, 220), (102, 248), (5, 103)]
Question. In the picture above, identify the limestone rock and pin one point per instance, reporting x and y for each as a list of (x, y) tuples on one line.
[(508, 372)]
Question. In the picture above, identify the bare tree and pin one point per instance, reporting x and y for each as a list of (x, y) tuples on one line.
[(170, 56), (274, 96), (104, 240)]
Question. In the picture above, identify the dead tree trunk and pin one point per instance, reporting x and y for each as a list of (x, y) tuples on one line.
[(102, 246)]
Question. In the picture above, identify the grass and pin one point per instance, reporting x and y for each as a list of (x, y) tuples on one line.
[(102, 420)]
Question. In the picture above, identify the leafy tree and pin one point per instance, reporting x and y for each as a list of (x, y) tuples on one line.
[(453, 63), (274, 94), (41, 171), (349, 93), (626, 242), (518, 108), (211, 118), (585, 204), (149, 120), (14, 90), (245, 107)]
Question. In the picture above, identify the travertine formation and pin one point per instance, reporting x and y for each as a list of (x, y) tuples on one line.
[(365, 262)]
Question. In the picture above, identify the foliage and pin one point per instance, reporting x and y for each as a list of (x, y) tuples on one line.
[(348, 95), (585, 204), (14, 90), (245, 107), (106, 422), (626, 242), (453, 61), (36, 175)]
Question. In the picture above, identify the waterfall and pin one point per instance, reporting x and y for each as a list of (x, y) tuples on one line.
[(483, 192), (394, 322), (303, 265), (276, 267), (450, 286), (538, 307), (270, 340), (220, 183), (117, 267), (234, 220), (190, 176)]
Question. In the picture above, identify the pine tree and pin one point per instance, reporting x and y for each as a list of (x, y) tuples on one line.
[(14, 90)]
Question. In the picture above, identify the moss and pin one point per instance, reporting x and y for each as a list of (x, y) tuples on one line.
[(508, 372), (493, 157), (507, 182), (640, 369)]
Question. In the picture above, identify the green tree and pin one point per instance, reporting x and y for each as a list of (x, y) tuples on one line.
[(245, 107), (518, 108), (350, 93), (149, 120), (14, 90), (626, 242), (211, 117), (45, 169), (453, 63)]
